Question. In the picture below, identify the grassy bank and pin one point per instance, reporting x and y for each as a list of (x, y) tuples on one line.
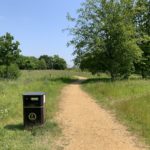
[(130, 100), (12, 134)]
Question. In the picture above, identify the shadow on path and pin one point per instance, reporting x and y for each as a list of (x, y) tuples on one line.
[(76, 80), (62, 79)]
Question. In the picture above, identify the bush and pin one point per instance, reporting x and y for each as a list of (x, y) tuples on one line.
[(2, 71), (9, 72)]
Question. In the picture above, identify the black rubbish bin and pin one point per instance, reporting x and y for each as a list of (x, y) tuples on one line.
[(34, 108)]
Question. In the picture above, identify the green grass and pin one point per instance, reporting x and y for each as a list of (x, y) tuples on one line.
[(12, 134), (129, 100)]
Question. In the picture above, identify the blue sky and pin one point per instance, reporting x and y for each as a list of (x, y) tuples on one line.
[(38, 24)]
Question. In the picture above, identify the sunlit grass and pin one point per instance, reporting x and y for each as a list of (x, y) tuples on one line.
[(12, 134), (128, 99)]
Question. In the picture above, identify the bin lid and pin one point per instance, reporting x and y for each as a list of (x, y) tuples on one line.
[(34, 93)]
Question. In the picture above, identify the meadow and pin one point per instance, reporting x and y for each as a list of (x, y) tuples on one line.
[(129, 100), (12, 134)]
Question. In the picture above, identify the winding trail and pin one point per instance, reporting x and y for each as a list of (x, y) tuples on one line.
[(87, 126)]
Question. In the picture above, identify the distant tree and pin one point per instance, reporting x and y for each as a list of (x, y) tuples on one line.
[(54, 62), (46, 58), (59, 63), (9, 53), (104, 37), (51, 62), (42, 64), (28, 62), (34, 62)]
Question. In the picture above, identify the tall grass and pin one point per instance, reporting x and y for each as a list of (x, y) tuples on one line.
[(130, 100), (12, 134)]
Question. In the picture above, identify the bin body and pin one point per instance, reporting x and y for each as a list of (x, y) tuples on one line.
[(34, 108)]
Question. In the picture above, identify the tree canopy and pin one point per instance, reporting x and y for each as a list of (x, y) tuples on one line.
[(43, 62), (9, 50), (54, 62), (105, 37), (142, 23), (9, 53)]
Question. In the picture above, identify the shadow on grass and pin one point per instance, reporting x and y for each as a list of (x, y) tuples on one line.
[(49, 127), (14, 127), (62, 79), (84, 81), (80, 81), (65, 80), (36, 130), (95, 80)]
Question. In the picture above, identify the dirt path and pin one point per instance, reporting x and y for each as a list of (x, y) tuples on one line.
[(87, 126)]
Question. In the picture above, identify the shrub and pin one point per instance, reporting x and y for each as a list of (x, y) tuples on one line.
[(9, 72)]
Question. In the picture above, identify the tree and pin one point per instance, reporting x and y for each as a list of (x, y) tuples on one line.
[(42, 64), (28, 62), (9, 50), (142, 23), (59, 63), (9, 53), (93, 62), (54, 62), (104, 31), (46, 58)]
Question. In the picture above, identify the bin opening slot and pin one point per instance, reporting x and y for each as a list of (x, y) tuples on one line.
[(34, 98)]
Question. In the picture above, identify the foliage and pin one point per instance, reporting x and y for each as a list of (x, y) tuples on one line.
[(48, 60), (142, 22), (104, 37), (59, 63), (54, 62), (9, 53), (42, 64), (28, 62), (10, 72), (9, 50)]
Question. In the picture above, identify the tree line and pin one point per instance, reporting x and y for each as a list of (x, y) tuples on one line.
[(112, 36), (42, 63), (11, 61)]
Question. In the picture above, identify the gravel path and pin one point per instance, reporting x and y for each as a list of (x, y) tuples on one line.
[(87, 126)]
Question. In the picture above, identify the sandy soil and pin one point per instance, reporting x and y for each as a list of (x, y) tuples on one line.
[(87, 126)]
